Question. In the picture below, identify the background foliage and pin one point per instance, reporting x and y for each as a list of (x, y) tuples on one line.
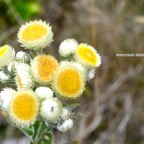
[(113, 102)]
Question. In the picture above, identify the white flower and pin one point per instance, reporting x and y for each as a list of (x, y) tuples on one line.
[(51, 109), (67, 47), (3, 76), (88, 56), (44, 68), (44, 92), (91, 74), (35, 35), (5, 98), (65, 114), (24, 78), (65, 126), (7, 54), (24, 108), (69, 81)]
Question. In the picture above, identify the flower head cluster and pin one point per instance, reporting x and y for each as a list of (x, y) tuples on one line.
[(40, 82)]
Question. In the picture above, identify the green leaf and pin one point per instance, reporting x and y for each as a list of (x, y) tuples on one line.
[(39, 128), (27, 8), (27, 131)]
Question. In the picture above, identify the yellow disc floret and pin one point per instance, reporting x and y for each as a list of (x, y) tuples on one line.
[(44, 68), (88, 56), (33, 32), (69, 81), (24, 108)]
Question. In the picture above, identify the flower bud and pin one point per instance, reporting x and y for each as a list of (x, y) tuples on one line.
[(44, 92), (51, 109), (67, 47), (65, 114), (65, 126)]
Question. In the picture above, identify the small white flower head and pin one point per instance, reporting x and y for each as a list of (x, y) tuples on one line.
[(7, 54), (88, 56), (3, 76), (5, 98), (35, 35), (91, 74), (65, 126), (23, 78), (65, 113), (44, 68), (69, 80), (51, 109), (68, 47), (44, 93)]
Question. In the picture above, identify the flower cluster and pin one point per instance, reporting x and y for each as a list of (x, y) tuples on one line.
[(41, 84)]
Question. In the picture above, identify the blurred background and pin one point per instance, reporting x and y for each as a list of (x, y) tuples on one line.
[(112, 106)]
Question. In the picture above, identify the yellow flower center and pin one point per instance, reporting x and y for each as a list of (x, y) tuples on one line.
[(47, 66), (3, 50), (19, 81), (24, 106), (34, 32), (69, 82), (87, 54)]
